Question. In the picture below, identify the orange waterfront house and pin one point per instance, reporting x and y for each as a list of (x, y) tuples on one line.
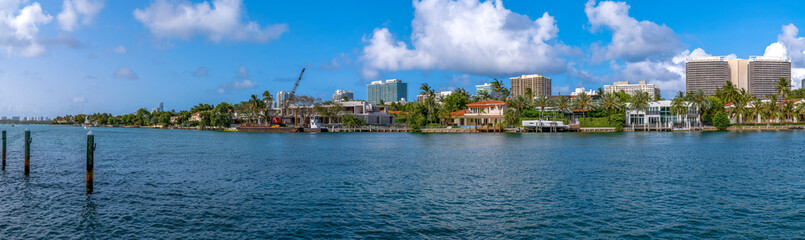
[(480, 113)]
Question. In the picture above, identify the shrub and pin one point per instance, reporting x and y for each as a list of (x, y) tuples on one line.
[(721, 121), (351, 120), (618, 120)]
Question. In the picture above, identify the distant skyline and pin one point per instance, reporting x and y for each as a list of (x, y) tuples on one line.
[(86, 56)]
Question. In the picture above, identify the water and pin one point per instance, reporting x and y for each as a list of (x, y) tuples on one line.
[(156, 184)]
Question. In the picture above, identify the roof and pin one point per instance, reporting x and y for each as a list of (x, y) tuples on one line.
[(458, 113), (483, 104), (392, 112)]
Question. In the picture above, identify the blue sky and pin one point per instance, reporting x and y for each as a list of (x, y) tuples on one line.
[(84, 56)]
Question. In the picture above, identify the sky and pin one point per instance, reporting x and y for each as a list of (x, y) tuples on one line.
[(61, 57)]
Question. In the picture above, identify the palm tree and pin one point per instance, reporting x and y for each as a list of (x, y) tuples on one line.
[(562, 104), (500, 90), (787, 110), (582, 103), (699, 100), (428, 92), (799, 110), (640, 101), (679, 106), (739, 102), (529, 93), (542, 102), (729, 93), (255, 104), (609, 102), (267, 98), (757, 108), (518, 103), (783, 88)]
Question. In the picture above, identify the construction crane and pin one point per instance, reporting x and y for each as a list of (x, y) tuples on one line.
[(284, 105)]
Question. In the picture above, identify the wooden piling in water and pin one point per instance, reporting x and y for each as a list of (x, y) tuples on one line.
[(90, 160), (27, 151), (4, 150)]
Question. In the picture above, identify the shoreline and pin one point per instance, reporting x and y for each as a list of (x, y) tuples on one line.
[(471, 130)]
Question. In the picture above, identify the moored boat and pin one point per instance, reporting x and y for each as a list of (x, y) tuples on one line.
[(273, 129)]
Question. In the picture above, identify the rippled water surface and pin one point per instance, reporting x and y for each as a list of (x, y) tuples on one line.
[(158, 184)]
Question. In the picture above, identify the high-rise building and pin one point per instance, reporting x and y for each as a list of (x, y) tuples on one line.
[(706, 73), (758, 75), (339, 95), (486, 87), (765, 72), (538, 84), (393, 90), (802, 85), (631, 89), (280, 98)]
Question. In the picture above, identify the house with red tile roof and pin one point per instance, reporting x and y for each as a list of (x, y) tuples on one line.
[(480, 113)]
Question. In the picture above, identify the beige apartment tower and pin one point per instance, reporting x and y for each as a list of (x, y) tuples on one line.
[(540, 86), (706, 73), (764, 72), (758, 75)]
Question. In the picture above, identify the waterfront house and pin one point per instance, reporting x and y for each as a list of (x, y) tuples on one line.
[(480, 113), (174, 119), (195, 117), (660, 116)]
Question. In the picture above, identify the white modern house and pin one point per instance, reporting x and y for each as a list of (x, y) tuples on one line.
[(659, 116)]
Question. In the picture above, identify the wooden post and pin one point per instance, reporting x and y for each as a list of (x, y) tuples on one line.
[(27, 151), (4, 150), (90, 159)]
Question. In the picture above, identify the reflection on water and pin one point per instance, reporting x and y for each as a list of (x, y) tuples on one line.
[(157, 184)]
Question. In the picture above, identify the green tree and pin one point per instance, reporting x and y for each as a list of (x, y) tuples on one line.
[(721, 121), (679, 107), (640, 102), (582, 103), (609, 103), (350, 120), (542, 102), (783, 88), (699, 101)]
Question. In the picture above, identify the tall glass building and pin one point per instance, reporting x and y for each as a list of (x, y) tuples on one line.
[(394, 90)]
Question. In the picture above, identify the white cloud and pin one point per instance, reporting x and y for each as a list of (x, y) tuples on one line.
[(201, 72), (470, 37), (124, 73), (120, 49), (242, 81), (789, 44), (19, 28), (72, 10), (668, 74), (632, 40), (217, 21), (79, 99)]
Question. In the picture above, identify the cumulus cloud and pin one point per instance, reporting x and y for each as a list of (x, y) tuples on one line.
[(124, 73), (201, 72), (632, 40), (668, 74), (216, 21), (242, 81), (120, 49), (790, 44), (72, 10), (468, 36), (19, 28), (79, 99)]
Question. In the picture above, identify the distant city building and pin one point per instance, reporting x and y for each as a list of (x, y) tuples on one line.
[(802, 85), (158, 109), (590, 92), (631, 89), (281, 97), (757, 75), (4, 117), (486, 87), (339, 95), (538, 84), (15, 118), (393, 90), (765, 72), (438, 96)]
